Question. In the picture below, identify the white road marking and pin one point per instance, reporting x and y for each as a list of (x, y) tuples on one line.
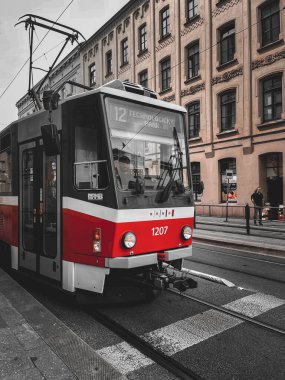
[(255, 304), (124, 357), (187, 332)]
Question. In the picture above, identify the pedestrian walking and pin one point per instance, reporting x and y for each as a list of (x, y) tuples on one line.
[(257, 200)]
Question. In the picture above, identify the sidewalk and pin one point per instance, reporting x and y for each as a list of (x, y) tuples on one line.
[(267, 239), (34, 344)]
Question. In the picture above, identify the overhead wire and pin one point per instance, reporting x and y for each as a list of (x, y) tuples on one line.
[(216, 44), (181, 62), (48, 51), (18, 73), (172, 67)]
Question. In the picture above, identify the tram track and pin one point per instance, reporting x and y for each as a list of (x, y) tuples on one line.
[(165, 361), (231, 313)]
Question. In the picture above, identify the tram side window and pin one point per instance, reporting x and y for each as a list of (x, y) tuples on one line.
[(5, 166), (90, 167)]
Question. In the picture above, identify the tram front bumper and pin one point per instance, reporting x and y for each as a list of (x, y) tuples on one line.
[(147, 259)]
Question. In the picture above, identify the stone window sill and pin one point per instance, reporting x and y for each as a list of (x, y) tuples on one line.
[(193, 79), (227, 64), (165, 91), (108, 74), (270, 46), (227, 133), (124, 64), (270, 124), (221, 2), (142, 52), (190, 21), (163, 38), (194, 139)]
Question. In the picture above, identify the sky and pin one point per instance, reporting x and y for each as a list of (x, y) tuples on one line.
[(87, 16)]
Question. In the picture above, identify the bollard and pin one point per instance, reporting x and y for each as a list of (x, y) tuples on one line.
[(247, 217)]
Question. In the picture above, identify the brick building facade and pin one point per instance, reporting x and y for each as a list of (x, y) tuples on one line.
[(225, 62)]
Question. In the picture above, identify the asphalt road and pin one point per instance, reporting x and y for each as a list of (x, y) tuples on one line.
[(255, 272), (213, 345)]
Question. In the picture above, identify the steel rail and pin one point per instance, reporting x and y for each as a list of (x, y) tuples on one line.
[(230, 312), (145, 348)]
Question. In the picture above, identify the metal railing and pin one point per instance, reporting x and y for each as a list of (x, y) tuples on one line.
[(240, 216)]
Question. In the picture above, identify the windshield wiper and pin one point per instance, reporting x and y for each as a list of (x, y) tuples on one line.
[(162, 196)]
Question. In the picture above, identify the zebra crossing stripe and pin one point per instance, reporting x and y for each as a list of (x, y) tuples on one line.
[(255, 304), (188, 332), (124, 357)]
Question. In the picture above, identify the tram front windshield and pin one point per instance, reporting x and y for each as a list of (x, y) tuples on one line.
[(149, 147)]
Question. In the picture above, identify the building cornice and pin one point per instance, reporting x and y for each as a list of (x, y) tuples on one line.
[(227, 76), (120, 17), (268, 60)]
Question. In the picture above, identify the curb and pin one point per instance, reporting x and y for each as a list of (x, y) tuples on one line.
[(252, 246)]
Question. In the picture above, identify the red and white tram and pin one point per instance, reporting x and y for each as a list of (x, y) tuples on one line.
[(102, 192)]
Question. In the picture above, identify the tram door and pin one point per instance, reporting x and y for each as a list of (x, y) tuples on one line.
[(39, 226)]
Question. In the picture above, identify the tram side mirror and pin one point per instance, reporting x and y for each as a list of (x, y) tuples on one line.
[(50, 139)]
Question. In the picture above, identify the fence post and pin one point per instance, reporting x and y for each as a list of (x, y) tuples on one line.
[(247, 218)]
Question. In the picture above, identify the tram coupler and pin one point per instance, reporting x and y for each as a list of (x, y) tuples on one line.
[(163, 280)]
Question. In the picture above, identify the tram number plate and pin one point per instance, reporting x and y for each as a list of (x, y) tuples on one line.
[(158, 231)]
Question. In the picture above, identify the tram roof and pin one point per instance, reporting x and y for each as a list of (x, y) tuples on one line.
[(112, 89), (109, 89)]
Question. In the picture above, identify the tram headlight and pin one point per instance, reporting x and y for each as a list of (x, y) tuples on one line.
[(129, 240), (186, 232)]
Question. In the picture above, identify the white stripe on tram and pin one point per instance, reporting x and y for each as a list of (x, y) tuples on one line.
[(129, 215), (9, 200), (186, 333)]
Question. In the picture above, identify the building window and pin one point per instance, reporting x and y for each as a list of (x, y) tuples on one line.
[(198, 185), (228, 183), (164, 22), (272, 97), (143, 79), (270, 22), (142, 39), (192, 8), (194, 119), (109, 62), (92, 74), (193, 60), (228, 110), (125, 51), (165, 74), (274, 180), (227, 44)]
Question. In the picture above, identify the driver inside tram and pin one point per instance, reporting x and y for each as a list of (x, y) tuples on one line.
[(124, 172)]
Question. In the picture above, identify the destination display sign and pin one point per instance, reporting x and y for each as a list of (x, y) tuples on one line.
[(135, 117)]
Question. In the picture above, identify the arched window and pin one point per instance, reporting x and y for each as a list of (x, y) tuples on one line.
[(227, 43), (270, 22), (198, 186), (92, 74), (194, 119), (228, 175), (191, 9), (164, 22), (272, 97), (165, 68), (228, 110), (142, 38), (193, 60)]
